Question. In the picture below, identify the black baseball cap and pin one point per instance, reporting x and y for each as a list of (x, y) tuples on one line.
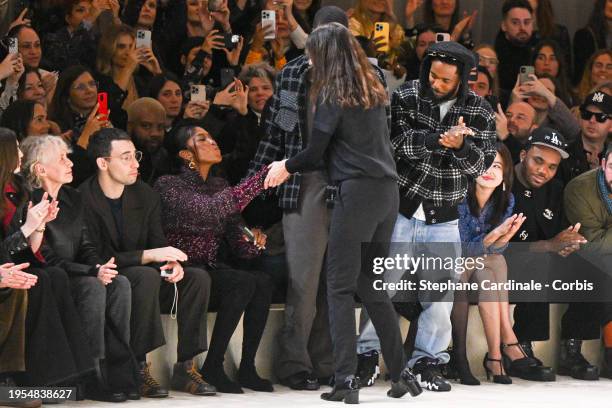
[(600, 100), (545, 136)]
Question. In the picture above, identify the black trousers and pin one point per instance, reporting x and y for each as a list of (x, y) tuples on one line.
[(234, 292), (57, 348), (580, 321), (365, 211), (152, 296)]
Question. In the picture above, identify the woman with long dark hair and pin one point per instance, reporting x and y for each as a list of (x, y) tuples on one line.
[(549, 29), (594, 36), (486, 225), (26, 118), (201, 212), (548, 58), (350, 124)]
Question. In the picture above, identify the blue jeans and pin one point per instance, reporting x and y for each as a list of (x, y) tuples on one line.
[(434, 333)]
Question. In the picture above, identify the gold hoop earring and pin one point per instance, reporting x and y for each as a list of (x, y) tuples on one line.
[(503, 186), (191, 165)]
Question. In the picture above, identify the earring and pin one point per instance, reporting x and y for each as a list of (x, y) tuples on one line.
[(504, 186), (192, 165)]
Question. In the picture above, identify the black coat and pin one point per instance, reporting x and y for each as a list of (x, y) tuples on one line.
[(142, 228), (586, 43), (67, 243)]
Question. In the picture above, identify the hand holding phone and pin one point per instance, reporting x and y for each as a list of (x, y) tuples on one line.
[(198, 93), (381, 36), (103, 105)]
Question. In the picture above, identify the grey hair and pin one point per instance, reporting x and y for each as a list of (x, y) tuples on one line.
[(261, 70), (35, 150)]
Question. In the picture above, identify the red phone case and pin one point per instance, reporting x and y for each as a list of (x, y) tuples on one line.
[(103, 103)]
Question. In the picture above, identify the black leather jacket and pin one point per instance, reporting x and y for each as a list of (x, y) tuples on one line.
[(67, 244), (12, 241)]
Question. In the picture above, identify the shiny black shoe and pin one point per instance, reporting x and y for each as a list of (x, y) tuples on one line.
[(133, 395), (348, 392), (407, 383), (573, 363), (497, 378), (248, 378), (528, 367), (302, 381), (97, 394), (457, 369), (368, 368)]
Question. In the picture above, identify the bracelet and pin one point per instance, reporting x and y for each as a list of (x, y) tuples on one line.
[(40, 229)]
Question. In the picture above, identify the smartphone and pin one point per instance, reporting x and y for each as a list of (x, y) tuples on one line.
[(381, 30), (442, 37), (13, 45), (473, 77), (249, 234), (198, 93), (525, 72), (103, 104), (227, 77), (231, 40), (143, 39), (165, 273), (268, 19)]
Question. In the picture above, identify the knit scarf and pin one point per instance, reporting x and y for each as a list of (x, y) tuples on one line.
[(604, 190)]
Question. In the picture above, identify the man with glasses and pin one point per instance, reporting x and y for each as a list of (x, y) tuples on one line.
[(123, 218), (595, 125)]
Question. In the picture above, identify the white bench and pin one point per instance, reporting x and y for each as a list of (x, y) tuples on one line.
[(164, 357)]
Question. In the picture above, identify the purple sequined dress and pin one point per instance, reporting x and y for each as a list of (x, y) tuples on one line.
[(198, 214)]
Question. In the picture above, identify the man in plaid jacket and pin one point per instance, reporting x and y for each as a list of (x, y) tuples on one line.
[(444, 136), (305, 352)]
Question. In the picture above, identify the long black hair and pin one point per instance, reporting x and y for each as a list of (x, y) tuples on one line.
[(9, 159), (501, 196), (562, 77), (598, 22), (18, 117)]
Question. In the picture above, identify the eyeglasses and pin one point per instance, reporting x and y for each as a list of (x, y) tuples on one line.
[(599, 116), (442, 56), (83, 87), (127, 158), (488, 60)]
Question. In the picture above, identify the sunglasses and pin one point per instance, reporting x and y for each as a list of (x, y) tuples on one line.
[(442, 56), (599, 116)]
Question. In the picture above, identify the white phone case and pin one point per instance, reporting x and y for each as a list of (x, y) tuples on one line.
[(268, 19), (143, 38), (198, 93)]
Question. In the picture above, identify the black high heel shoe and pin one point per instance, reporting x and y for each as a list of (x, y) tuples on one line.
[(528, 367), (497, 378), (347, 392)]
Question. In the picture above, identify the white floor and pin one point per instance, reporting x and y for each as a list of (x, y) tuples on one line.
[(565, 392)]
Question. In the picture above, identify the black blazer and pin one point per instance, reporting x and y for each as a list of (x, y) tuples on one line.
[(67, 243), (142, 228)]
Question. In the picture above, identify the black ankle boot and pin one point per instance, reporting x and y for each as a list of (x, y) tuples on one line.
[(348, 391), (574, 364), (248, 378), (215, 375), (459, 369), (407, 383), (528, 367)]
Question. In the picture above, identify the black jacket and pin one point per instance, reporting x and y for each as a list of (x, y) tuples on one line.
[(12, 241), (511, 58), (142, 228), (67, 243)]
